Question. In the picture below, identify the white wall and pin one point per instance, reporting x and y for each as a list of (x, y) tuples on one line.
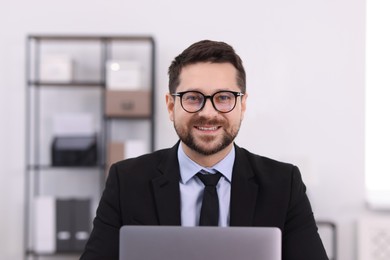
[(377, 106), (305, 66)]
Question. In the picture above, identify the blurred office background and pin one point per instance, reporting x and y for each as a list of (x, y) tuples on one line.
[(305, 63)]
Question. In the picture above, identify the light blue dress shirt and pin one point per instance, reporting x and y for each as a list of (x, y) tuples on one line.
[(191, 188)]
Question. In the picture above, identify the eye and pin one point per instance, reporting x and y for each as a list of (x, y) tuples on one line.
[(224, 97), (192, 97)]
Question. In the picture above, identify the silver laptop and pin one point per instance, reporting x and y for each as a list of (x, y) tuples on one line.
[(199, 243)]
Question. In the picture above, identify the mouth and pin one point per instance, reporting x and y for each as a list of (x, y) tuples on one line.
[(207, 128)]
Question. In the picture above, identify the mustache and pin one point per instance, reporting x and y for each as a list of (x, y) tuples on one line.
[(206, 121)]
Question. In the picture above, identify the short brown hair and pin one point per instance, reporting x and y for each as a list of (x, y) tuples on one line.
[(206, 51)]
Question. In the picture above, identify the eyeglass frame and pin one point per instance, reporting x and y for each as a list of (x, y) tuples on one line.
[(205, 97)]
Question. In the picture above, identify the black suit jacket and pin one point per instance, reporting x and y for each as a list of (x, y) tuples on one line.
[(264, 192)]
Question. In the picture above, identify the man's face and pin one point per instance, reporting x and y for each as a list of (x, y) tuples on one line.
[(207, 131)]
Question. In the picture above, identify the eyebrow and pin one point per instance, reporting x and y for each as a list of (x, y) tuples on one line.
[(215, 91)]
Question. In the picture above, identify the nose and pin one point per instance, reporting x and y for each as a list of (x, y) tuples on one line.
[(208, 108)]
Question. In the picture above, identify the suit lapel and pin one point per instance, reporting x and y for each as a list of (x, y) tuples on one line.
[(166, 190), (244, 192)]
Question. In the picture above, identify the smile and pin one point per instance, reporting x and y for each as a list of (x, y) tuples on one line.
[(203, 128)]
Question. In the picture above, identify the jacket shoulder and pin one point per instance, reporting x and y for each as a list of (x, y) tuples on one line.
[(144, 160), (144, 166), (262, 162)]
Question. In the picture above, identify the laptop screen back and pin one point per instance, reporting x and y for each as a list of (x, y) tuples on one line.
[(199, 243)]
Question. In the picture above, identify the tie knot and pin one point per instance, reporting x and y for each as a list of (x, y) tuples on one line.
[(209, 179)]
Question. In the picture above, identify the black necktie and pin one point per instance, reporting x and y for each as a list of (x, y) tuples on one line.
[(209, 213)]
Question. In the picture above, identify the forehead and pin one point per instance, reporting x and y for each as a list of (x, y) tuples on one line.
[(208, 77)]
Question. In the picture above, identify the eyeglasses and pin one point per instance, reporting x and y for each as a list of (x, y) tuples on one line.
[(194, 101)]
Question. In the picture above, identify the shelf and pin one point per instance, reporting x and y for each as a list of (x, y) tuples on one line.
[(115, 115), (128, 117), (67, 84), (33, 253), (50, 167), (76, 37)]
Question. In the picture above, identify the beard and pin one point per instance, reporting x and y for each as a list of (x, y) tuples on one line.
[(210, 145)]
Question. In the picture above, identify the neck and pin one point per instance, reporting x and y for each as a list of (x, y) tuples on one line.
[(206, 160)]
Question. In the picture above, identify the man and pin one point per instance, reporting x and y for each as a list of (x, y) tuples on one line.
[(206, 103)]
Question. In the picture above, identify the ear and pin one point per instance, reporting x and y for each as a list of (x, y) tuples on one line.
[(170, 102)]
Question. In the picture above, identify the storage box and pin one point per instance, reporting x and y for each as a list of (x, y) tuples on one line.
[(123, 75), (73, 220), (61, 225), (128, 149), (56, 68), (74, 151), (128, 103), (44, 225), (116, 152), (73, 124)]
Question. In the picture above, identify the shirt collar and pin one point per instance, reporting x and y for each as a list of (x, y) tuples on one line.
[(188, 168)]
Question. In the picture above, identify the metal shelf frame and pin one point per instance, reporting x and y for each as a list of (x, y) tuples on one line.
[(33, 102)]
